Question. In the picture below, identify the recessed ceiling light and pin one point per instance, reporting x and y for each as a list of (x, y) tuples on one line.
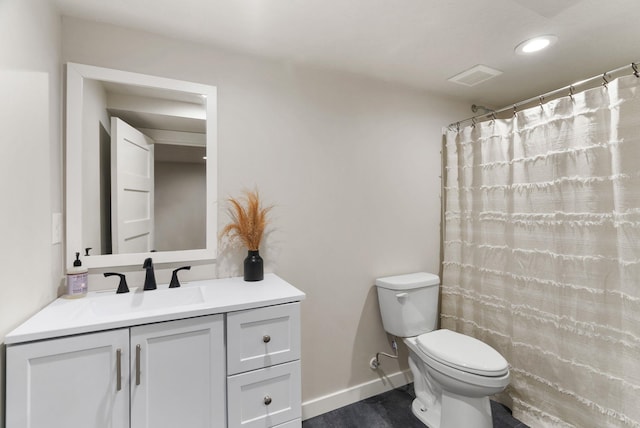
[(536, 44)]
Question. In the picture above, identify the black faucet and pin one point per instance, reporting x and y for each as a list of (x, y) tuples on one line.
[(122, 286), (150, 277), (174, 277)]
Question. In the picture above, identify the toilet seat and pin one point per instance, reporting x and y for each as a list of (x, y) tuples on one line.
[(463, 353)]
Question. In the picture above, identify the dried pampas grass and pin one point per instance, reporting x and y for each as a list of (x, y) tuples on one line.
[(249, 220)]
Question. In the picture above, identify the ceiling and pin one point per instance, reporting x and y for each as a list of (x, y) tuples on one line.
[(420, 43), (156, 108)]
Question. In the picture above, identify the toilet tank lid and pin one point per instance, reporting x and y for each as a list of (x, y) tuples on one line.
[(408, 281)]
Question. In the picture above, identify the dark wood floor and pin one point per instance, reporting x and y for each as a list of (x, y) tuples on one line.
[(392, 409)]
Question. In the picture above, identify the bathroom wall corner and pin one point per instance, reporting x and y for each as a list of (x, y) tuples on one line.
[(31, 184)]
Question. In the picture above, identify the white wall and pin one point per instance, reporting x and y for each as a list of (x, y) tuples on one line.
[(180, 197), (95, 119), (30, 162), (351, 164)]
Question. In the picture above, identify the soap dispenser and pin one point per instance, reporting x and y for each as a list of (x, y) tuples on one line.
[(77, 279)]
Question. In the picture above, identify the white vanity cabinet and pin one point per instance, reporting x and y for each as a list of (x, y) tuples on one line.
[(263, 364), (210, 354), (165, 374)]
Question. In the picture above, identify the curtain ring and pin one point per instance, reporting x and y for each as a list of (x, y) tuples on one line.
[(634, 67), (473, 122), (458, 126), (542, 102), (605, 81), (493, 117), (515, 110), (571, 92)]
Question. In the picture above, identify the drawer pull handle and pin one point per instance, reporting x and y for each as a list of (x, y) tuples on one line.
[(266, 338), (267, 400)]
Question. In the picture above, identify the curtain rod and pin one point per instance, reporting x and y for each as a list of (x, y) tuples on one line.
[(570, 88)]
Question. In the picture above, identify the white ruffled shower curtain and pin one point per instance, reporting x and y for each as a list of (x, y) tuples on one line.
[(542, 253)]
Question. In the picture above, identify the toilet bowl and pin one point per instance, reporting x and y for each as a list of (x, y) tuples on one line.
[(450, 394), (454, 374)]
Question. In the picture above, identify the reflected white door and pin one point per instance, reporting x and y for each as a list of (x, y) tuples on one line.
[(131, 189)]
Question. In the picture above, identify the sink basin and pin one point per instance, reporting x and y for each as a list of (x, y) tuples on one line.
[(142, 301)]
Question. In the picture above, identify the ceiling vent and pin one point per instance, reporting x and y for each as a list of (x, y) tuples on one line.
[(475, 75)]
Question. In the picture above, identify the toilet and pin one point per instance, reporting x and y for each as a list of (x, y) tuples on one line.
[(454, 374)]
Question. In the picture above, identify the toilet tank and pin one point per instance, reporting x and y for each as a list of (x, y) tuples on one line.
[(409, 303)]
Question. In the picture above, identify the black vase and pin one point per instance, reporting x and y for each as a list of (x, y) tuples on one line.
[(253, 268)]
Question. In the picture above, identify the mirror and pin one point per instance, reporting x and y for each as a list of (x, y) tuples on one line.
[(140, 168)]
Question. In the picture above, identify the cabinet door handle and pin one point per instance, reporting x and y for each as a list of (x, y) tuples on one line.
[(266, 338), (118, 369), (138, 350), (267, 400)]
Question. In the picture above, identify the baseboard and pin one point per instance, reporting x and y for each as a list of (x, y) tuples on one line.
[(327, 403)]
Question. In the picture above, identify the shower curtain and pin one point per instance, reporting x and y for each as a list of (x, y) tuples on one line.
[(542, 253)]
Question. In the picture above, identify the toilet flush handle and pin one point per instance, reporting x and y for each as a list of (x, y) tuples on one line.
[(401, 296)]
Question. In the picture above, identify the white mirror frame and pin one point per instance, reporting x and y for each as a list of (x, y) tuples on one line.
[(76, 74)]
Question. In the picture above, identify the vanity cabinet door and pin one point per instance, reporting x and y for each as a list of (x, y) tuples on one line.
[(178, 374), (77, 381)]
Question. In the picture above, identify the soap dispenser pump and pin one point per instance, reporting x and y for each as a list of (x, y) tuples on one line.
[(77, 279)]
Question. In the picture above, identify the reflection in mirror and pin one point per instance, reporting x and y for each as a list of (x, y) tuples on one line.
[(147, 189), (138, 177)]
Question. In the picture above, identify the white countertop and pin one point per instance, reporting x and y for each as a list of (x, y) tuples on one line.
[(105, 310)]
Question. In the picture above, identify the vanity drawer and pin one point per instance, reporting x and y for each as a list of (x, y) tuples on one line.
[(296, 423), (266, 397), (262, 337)]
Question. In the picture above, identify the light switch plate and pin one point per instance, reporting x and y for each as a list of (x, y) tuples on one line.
[(56, 228)]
